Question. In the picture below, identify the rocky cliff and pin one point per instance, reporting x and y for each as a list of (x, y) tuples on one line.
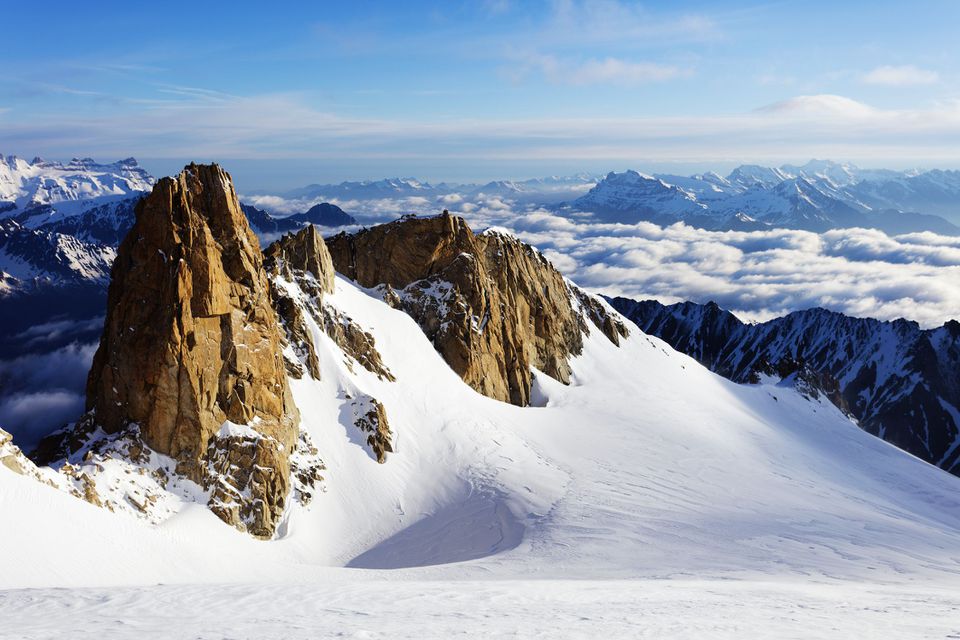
[(493, 306), (190, 356)]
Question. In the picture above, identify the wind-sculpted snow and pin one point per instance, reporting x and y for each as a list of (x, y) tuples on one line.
[(647, 468), (646, 465), (338, 604), (899, 381)]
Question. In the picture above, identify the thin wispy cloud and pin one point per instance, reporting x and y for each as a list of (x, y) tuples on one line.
[(607, 22), (287, 126), (821, 105), (604, 81), (614, 71), (901, 76)]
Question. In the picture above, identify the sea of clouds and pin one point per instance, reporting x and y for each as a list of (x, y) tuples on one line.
[(43, 391), (755, 274)]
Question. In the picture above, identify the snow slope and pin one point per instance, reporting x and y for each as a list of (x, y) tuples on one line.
[(647, 465), (648, 473), (897, 379), (392, 607)]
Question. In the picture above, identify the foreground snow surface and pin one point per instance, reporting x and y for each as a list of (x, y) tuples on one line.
[(348, 606), (649, 497)]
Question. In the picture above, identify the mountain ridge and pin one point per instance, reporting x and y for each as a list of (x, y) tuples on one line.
[(817, 196), (897, 379), (204, 331)]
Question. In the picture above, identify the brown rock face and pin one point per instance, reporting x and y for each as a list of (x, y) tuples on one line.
[(491, 305), (10, 455), (370, 417), (305, 252), (191, 341), (611, 326), (303, 259)]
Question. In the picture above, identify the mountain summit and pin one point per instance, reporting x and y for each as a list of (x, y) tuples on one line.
[(190, 362)]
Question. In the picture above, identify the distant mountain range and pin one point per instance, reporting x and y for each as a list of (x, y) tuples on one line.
[(817, 196), (323, 214), (899, 381), (60, 223), (541, 190), (38, 184)]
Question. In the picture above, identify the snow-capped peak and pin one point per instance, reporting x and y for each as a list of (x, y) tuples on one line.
[(26, 185)]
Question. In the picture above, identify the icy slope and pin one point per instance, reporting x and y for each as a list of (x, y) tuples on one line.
[(648, 465)]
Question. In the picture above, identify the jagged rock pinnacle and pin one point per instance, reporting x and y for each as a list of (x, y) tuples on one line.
[(191, 343)]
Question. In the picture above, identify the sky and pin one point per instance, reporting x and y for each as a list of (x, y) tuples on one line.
[(290, 93)]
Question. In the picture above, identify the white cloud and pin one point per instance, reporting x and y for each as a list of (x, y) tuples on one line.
[(285, 126), (755, 274), (575, 23), (901, 76), (820, 105), (605, 71), (43, 391), (496, 7)]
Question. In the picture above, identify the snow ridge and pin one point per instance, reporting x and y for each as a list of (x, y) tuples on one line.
[(898, 380)]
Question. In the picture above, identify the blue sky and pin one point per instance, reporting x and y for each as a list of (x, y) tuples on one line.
[(290, 93)]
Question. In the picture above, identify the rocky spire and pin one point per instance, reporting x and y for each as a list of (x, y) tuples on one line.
[(190, 352), (303, 251)]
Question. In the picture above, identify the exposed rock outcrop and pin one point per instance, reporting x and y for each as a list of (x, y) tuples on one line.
[(299, 253), (11, 457), (810, 382), (72, 479), (191, 345), (301, 273), (370, 417), (493, 306), (609, 324), (302, 259)]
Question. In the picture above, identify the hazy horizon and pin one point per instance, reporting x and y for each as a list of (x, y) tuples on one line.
[(278, 175), (487, 90)]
